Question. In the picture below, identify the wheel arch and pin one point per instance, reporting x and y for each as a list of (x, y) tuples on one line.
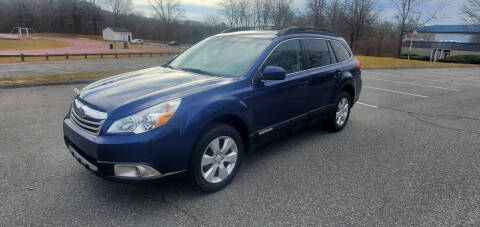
[(350, 90)]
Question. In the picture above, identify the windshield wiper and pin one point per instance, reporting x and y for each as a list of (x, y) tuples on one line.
[(199, 71)]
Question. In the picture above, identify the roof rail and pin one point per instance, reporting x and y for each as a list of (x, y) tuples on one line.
[(296, 30), (239, 29)]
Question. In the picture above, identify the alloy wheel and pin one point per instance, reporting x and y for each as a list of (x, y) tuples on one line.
[(219, 159), (342, 111)]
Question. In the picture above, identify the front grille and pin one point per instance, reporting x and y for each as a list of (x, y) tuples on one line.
[(90, 125)]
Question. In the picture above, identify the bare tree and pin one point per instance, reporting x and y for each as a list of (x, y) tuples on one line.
[(118, 8), (281, 13), (169, 11), (472, 11), (243, 12), (95, 10), (333, 13), (237, 12), (411, 13), (359, 15), (266, 11), (315, 9), (229, 11)]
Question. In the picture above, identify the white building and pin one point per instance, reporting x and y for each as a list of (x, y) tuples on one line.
[(443, 41), (117, 34)]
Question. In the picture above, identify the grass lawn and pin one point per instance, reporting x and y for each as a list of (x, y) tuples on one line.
[(59, 77), (369, 62), (33, 44)]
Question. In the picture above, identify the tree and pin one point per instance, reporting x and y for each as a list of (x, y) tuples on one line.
[(169, 11), (95, 12), (472, 11), (411, 13), (243, 12), (229, 11), (315, 9), (334, 13), (118, 8), (359, 15), (237, 12), (281, 12)]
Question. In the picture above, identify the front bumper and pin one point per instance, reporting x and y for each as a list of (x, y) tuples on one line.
[(163, 151)]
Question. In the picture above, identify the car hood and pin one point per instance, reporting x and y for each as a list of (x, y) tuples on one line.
[(134, 91)]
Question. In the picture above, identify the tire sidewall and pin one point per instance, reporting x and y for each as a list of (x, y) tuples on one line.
[(195, 168)]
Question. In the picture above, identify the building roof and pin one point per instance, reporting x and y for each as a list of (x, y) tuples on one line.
[(450, 29), (118, 29)]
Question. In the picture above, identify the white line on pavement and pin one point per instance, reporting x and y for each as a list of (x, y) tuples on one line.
[(398, 92), (417, 78), (423, 85), (361, 103)]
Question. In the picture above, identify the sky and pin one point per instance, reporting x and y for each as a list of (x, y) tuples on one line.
[(200, 9)]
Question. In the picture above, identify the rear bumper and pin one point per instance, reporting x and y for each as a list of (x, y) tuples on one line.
[(100, 154)]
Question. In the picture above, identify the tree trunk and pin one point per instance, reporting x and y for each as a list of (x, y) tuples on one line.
[(352, 41), (400, 41), (95, 27)]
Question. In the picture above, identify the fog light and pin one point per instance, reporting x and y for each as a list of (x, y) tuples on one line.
[(132, 170)]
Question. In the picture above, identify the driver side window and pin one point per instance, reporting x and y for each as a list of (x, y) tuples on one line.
[(287, 55)]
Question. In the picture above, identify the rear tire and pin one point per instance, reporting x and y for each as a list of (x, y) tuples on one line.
[(216, 158), (338, 117)]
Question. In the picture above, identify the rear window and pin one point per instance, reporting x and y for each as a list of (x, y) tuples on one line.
[(317, 52), (341, 51)]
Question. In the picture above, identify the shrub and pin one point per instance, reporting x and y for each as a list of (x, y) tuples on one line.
[(415, 57), (465, 59)]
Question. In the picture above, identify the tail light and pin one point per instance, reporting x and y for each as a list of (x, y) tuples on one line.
[(359, 65)]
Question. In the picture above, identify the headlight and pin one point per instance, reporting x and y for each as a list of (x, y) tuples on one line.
[(146, 120)]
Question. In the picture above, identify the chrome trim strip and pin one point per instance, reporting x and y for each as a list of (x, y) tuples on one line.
[(84, 125), (265, 131), (83, 120)]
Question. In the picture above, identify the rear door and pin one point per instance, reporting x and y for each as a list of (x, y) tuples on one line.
[(322, 72)]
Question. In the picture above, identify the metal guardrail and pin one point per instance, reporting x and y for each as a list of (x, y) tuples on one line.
[(102, 55)]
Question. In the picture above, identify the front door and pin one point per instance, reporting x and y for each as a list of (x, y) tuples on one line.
[(275, 102)]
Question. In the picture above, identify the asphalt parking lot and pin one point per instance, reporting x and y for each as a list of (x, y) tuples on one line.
[(409, 156)]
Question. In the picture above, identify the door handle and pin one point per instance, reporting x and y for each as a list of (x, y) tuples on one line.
[(303, 83), (336, 73)]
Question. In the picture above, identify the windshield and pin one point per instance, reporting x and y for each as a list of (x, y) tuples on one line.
[(225, 56)]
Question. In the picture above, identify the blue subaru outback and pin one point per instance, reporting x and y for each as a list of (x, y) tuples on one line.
[(203, 109)]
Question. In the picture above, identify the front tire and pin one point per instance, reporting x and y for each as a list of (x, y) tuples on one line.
[(339, 116), (216, 158)]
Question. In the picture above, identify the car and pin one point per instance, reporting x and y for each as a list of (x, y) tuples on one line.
[(200, 112), (174, 43), (137, 41)]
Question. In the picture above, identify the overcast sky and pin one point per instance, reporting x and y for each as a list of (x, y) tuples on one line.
[(199, 9)]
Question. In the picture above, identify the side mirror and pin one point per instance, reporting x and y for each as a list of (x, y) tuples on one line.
[(274, 73)]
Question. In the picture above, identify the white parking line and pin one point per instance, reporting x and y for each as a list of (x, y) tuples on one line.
[(423, 85), (398, 92), (417, 78), (364, 104)]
